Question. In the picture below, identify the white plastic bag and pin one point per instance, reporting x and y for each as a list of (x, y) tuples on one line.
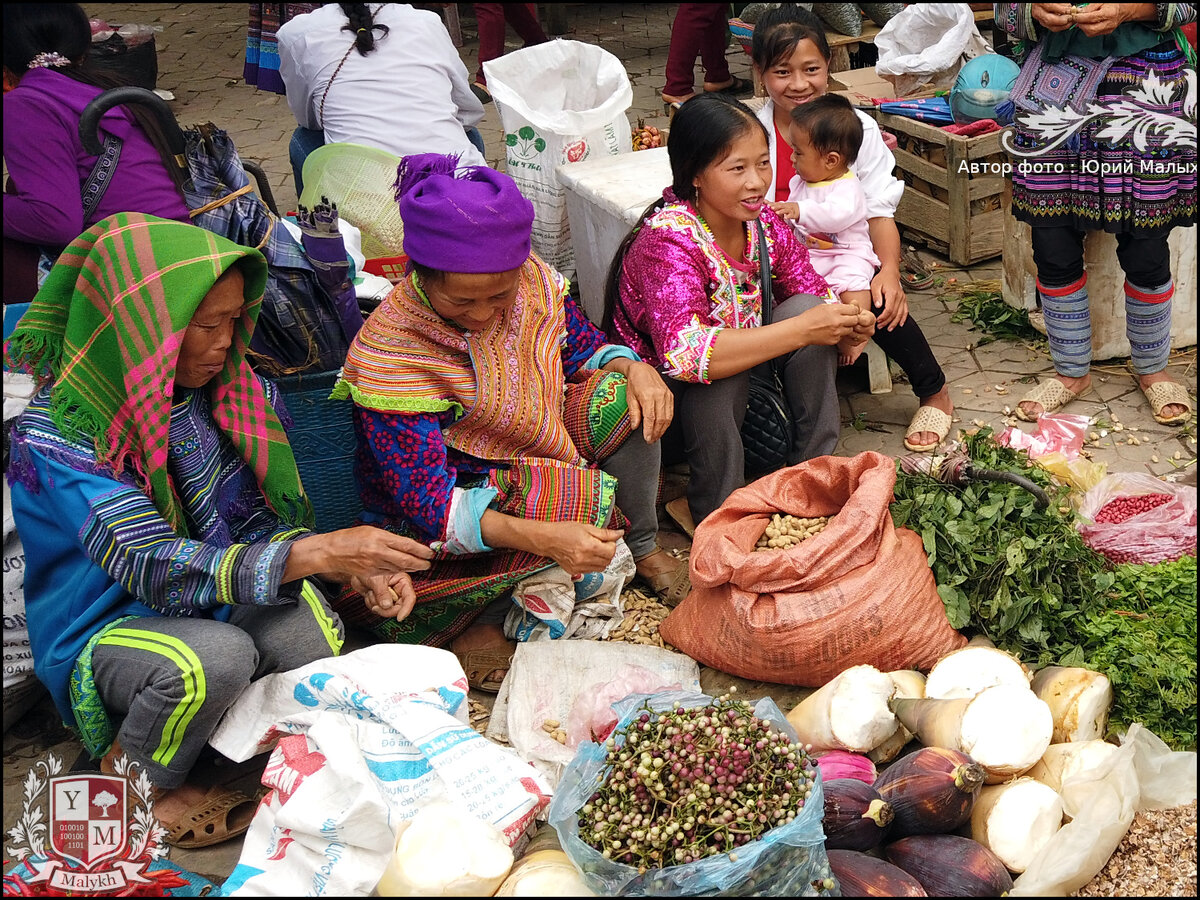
[(561, 101), (926, 44), (547, 678), (1161, 534), (1143, 774), (364, 742)]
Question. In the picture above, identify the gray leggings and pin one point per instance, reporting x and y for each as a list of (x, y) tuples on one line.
[(708, 417), (171, 679), (636, 466)]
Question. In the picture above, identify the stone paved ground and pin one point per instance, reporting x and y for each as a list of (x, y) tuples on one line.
[(200, 56)]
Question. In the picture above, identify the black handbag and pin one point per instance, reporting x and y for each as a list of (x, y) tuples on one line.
[(767, 429)]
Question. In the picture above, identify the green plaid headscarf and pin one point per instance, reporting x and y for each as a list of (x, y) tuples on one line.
[(106, 328)]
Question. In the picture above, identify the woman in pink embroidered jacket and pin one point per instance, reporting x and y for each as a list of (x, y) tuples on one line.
[(684, 292)]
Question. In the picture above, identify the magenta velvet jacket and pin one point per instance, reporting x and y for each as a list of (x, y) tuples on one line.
[(678, 289), (48, 165)]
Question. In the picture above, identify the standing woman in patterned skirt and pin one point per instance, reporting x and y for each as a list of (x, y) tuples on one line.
[(1102, 54)]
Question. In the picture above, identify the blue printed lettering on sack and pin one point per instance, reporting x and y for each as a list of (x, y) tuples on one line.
[(333, 855), (398, 769), (449, 740), (453, 698)]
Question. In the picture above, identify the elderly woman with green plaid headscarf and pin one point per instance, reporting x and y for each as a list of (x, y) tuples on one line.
[(169, 554)]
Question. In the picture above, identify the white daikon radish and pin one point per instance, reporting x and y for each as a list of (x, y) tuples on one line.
[(544, 873), (910, 684), (966, 672), (1015, 820), (1004, 728), (1079, 699), (1061, 762), (849, 712), (444, 851)]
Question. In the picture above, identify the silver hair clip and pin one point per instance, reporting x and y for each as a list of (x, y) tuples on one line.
[(50, 60)]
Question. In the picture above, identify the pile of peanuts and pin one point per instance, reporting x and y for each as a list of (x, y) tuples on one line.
[(787, 531), (1116, 511), (553, 727), (643, 614)]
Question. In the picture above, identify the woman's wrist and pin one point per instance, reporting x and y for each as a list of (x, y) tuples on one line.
[(306, 556)]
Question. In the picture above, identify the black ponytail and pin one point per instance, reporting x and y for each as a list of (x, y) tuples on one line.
[(362, 24), (612, 284)]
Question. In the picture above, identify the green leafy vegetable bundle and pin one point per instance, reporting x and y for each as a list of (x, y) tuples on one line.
[(1023, 577)]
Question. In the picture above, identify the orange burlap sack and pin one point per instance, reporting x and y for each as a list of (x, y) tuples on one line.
[(860, 592)]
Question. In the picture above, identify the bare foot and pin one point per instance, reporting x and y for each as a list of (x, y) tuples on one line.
[(1171, 409), (941, 400), (1074, 385), (849, 352), (171, 805)]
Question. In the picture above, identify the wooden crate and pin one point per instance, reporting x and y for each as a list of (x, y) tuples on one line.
[(946, 205)]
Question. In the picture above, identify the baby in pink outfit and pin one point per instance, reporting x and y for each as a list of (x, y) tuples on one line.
[(827, 204)]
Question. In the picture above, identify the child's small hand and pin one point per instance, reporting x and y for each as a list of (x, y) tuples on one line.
[(786, 210)]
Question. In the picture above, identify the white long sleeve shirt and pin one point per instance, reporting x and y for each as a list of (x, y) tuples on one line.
[(411, 94), (873, 167)]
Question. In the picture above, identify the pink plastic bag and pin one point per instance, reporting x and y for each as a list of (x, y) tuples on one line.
[(1162, 534), (1054, 433), (592, 717)]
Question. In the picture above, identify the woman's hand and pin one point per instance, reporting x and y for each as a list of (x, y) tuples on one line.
[(887, 291), (387, 596), (651, 404), (363, 551), (1055, 16), (1103, 18), (827, 324), (579, 547)]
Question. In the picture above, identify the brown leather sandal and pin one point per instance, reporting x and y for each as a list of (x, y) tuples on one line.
[(663, 578), (680, 588), (480, 663), (222, 814)]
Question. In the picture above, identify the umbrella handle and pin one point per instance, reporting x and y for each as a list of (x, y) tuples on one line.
[(89, 120)]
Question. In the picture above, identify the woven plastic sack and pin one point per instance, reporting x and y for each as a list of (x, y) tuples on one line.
[(1162, 534), (784, 862), (844, 18), (860, 592), (559, 102), (881, 13)]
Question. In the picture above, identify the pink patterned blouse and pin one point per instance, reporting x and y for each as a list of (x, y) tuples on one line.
[(678, 289)]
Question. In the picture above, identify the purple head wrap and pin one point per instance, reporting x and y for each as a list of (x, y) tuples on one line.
[(472, 219)]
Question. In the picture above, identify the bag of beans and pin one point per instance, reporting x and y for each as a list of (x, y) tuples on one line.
[(856, 590), (1135, 518)]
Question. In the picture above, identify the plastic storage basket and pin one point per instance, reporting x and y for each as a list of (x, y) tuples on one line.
[(322, 438), (360, 180)]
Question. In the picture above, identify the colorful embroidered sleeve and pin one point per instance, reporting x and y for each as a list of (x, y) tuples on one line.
[(404, 476), (1172, 15), (1016, 19), (583, 340), (125, 534), (791, 269)]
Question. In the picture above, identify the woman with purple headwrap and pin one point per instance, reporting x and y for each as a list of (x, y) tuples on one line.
[(494, 421)]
